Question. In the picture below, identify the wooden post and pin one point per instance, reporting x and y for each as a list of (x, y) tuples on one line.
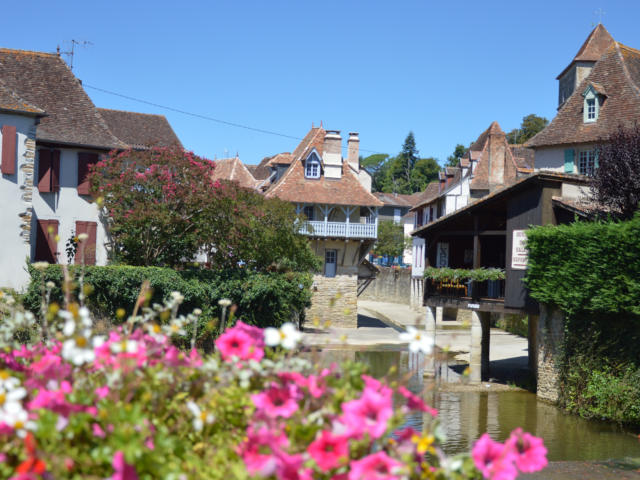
[(477, 253)]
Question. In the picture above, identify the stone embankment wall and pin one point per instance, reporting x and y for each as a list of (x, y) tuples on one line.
[(334, 301), (391, 285), (550, 336)]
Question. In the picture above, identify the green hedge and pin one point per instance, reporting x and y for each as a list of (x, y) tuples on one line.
[(263, 299), (591, 272), (592, 267)]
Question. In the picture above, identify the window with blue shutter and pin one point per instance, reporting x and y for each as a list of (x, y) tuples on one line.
[(568, 160)]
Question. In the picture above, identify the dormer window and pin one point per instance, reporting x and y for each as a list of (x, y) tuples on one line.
[(592, 103), (312, 167)]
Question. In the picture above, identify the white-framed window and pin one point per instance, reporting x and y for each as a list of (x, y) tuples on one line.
[(587, 162), (591, 105), (396, 215), (312, 167), (591, 109)]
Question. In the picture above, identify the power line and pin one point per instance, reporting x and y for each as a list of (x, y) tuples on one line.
[(204, 117)]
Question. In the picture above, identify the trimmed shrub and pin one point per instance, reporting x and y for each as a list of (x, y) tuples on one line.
[(262, 299)]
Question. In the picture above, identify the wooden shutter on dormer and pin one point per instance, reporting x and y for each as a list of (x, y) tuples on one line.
[(85, 160), (8, 149), (44, 170), (46, 243), (86, 249)]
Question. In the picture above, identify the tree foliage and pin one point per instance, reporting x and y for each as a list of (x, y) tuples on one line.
[(530, 126), (162, 208), (616, 182), (391, 240), (459, 152)]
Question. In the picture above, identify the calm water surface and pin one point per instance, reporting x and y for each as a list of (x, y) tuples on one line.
[(466, 415)]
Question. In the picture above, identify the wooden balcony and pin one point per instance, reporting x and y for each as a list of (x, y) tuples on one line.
[(320, 228)]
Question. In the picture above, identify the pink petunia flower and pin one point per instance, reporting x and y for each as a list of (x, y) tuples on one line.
[(277, 400), (122, 470), (416, 403), (237, 342), (378, 466), (289, 467), (529, 452), (493, 459), (368, 414), (329, 450), (258, 450)]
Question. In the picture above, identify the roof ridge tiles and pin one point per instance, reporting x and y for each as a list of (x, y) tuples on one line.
[(28, 52)]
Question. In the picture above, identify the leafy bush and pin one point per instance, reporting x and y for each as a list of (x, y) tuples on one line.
[(592, 267), (262, 299)]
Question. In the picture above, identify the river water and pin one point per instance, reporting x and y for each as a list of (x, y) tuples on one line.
[(465, 415)]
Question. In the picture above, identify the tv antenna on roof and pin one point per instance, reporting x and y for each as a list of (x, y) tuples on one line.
[(70, 53)]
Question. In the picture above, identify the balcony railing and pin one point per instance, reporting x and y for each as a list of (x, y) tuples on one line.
[(339, 229), (493, 289)]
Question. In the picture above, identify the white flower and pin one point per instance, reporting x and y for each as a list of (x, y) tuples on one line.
[(177, 297), (85, 316), (80, 348), (7, 382), (155, 331), (17, 418), (287, 336), (50, 284), (124, 346), (10, 397), (69, 327), (82, 237), (224, 302), (175, 327), (419, 341), (200, 417)]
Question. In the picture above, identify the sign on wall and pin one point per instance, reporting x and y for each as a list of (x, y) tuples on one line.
[(442, 255), (519, 252)]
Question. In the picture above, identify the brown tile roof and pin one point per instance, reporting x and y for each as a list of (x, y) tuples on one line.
[(395, 199), (140, 130), (429, 195), (596, 44), (294, 187), (234, 170), (262, 171), (618, 71), (522, 156), (583, 206), (45, 81), (10, 101)]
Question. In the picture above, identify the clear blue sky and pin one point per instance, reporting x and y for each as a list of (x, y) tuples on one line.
[(444, 69)]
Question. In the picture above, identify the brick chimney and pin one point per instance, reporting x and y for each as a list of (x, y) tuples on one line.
[(353, 149), (332, 154)]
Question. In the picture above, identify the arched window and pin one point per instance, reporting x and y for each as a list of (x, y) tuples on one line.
[(312, 167)]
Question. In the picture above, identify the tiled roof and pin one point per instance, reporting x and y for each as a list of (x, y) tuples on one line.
[(429, 195), (262, 171), (596, 44), (294, 187), (45, 81), (395, 199), (523, 157), (233, 169), (10, 101), (582, 206), (618, 72), (140, 130)]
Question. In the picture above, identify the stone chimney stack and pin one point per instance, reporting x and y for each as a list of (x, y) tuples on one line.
[(497, 155), (332, 154), (353, 149)]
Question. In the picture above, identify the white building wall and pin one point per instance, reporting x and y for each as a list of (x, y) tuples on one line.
[(407, 256), (418, 261), (67, 207), (15, 202), (549, 159)]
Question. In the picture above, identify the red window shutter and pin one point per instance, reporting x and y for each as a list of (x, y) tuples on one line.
[(44, 170), (55, 171), (86, 249), (8, 149), (46, 244), (85, 160)]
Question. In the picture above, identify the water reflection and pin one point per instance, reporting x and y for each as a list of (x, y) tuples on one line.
[(466, 415)]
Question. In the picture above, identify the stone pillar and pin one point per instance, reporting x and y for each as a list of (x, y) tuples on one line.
[(430, 331), (439, 314), (479, 348), (532, 323), (550, 337)]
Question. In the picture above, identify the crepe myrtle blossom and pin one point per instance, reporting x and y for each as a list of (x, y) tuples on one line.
[(200, 417), (287, 336), (419, 340)]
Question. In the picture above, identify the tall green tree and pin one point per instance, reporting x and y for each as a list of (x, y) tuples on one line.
[(458, 153), (391, 240), (531, 124), (376, 165), (424, 172), (408, 156)]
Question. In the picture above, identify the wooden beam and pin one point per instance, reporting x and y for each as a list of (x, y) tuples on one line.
[(457, 233)]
